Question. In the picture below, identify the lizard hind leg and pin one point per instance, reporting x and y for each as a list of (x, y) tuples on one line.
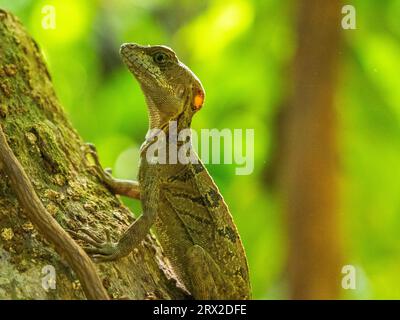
[(207, 280)]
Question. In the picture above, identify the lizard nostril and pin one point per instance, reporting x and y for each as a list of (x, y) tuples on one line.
[(127, 46)]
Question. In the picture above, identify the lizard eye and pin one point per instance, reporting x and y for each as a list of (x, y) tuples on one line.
[(160, 57)]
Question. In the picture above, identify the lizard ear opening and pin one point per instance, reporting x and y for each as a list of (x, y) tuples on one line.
[(198, 99)]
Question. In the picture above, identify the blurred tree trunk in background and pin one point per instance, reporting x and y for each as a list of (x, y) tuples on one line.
[(310, 157), (50, 151)]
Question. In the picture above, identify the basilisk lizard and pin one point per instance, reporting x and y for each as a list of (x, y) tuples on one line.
[(191, 219)]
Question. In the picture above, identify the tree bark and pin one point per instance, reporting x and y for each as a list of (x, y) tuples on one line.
[(50, 152), (309, 168)]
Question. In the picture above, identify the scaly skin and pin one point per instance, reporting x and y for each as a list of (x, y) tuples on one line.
[(191, 218)]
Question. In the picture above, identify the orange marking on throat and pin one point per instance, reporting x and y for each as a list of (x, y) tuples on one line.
[(198, 100)]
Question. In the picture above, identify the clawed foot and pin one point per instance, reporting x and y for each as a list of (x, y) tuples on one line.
[(105, 175), (99, 249)]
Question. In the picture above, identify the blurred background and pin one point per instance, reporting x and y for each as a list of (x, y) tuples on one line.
[(324, 103)]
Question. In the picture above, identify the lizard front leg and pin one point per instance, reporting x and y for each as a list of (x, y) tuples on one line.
[(127, 188), (108, 250)]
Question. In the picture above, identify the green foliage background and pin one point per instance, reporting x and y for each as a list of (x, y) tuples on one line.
[(241, 50)]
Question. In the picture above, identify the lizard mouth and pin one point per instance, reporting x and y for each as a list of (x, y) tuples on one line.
[(129, 53), (137, 61)]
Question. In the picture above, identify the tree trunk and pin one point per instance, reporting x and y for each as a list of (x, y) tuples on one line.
[(50, 152), (309, 169)]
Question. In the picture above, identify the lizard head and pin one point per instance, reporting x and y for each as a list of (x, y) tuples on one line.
[(171, 89)]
